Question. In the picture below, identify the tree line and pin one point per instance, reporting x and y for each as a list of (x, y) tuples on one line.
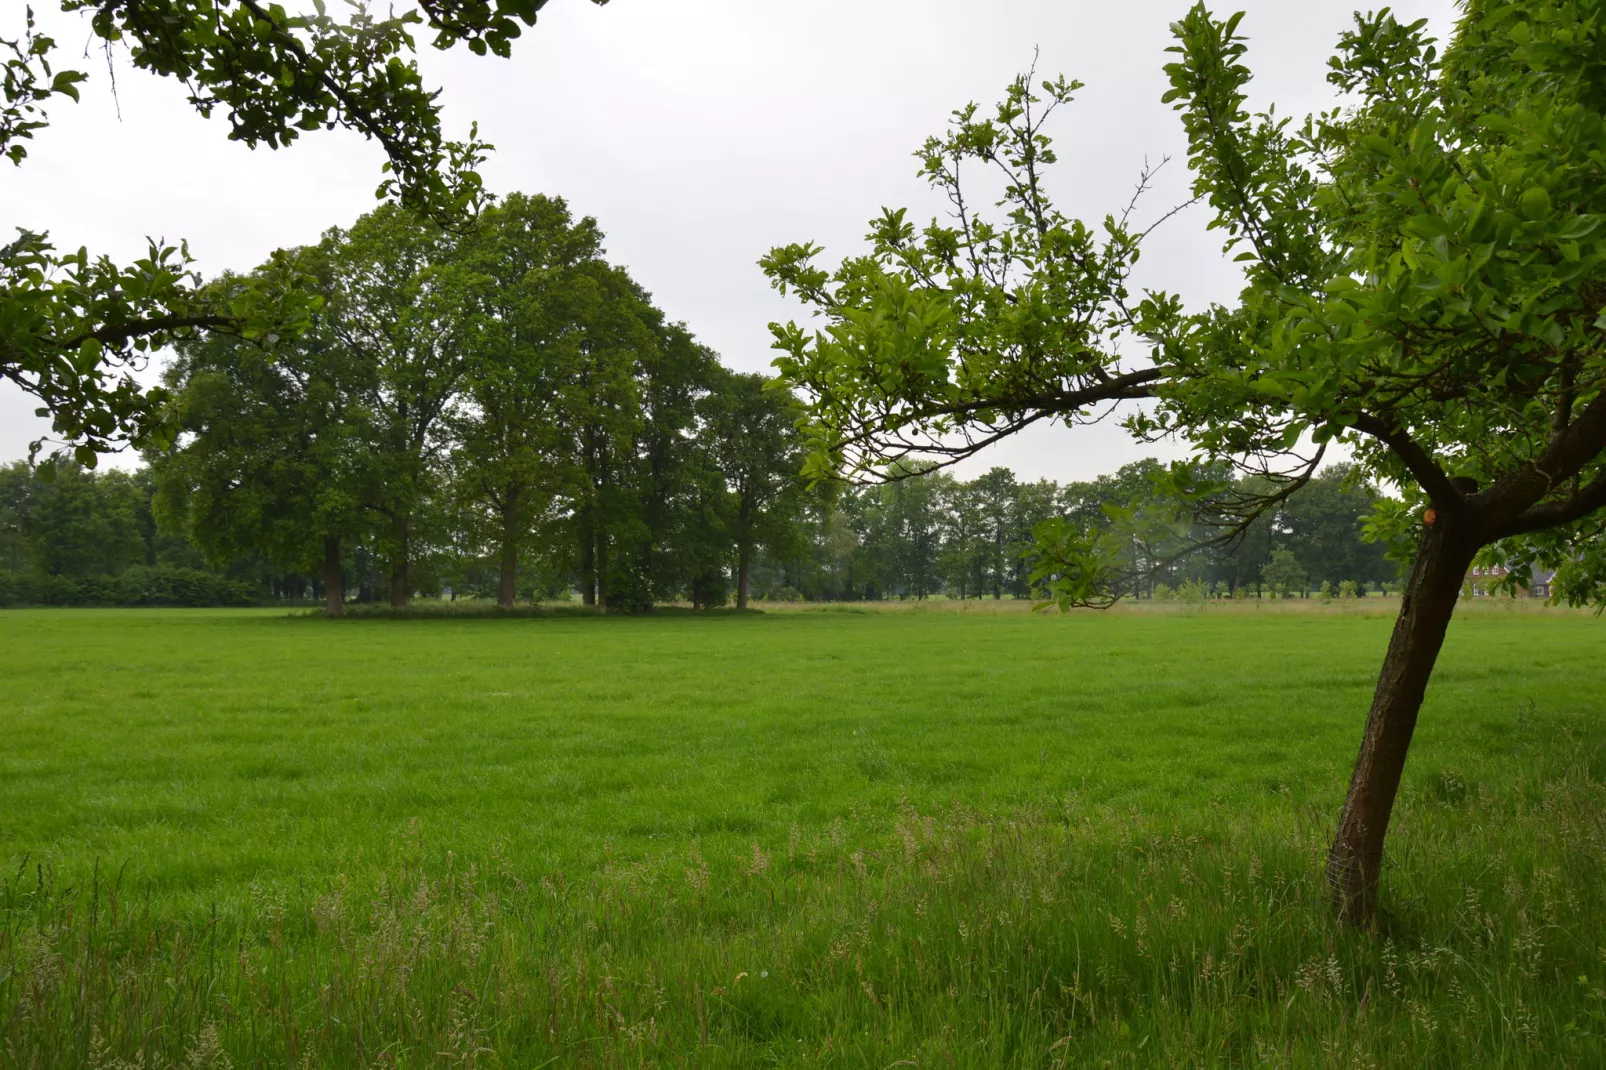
[(493, 409), (70, 536), (933, 534), (487, 407)]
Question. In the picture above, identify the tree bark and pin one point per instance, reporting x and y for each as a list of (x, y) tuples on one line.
[(588, 567), (399, 567), (742, 569), (334, 595), (1356, 856), (510, 550)]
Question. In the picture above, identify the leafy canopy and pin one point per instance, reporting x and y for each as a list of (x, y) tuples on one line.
[(73, 326)]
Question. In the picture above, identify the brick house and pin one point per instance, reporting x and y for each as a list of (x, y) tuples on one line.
[(1483, 579)]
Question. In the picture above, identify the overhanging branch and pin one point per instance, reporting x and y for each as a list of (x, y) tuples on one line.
[(1433, 479), (1131, 386), (116, 335), (1555, 514)]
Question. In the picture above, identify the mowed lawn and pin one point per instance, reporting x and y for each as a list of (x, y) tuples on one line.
[(205, 750)]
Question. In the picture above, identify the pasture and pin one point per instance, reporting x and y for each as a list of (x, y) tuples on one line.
[(964, 836)]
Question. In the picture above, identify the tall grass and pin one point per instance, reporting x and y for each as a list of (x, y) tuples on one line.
[(1063, 935)]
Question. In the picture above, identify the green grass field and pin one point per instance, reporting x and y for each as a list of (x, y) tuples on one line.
[(962, 837)]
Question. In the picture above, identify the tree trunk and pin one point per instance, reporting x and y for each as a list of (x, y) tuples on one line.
[(742, 564), (398, 568), (334, 596), (1356, 856), (510, 550), (588, 567)]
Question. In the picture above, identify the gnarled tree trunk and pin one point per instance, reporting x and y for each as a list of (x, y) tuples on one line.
[(334, 595), (1426, 607)]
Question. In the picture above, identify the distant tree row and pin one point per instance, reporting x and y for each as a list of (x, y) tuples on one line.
[(65, 534), (935, 534), (68, 537)]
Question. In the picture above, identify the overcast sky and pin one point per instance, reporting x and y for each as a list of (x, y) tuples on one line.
[(699, 133)]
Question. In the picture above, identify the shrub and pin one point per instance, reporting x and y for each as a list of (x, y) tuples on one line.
[(138, 586), (16, 588), (1192, 592), (710, 589)]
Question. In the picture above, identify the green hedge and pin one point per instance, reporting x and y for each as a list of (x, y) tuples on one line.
[(133, 587)]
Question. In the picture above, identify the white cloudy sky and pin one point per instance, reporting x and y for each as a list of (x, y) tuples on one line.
[(699, 133)]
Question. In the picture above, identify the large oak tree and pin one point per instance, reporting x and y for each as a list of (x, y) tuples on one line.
[(274, 453), (528, 268)]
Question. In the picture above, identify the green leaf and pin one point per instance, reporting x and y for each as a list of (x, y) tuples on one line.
[(1578, 226), (1426, 227)]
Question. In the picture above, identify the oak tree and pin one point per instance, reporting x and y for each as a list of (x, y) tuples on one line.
[(271, 453), (522, 266), (751, 437), (397, 305)]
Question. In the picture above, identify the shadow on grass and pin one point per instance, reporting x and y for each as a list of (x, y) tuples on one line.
[(466, 610)]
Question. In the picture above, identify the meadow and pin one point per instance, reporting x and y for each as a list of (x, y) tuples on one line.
[(823, 836)]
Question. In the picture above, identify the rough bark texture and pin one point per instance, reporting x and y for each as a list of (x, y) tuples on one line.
[(510, 551), (334, 596), (742, 569), (1429, 601)]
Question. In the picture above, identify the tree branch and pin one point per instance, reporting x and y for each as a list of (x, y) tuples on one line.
[(1513, 501), (117, 335), (1576, 446), (1131, 386), (1433, 479), (1554, 514)]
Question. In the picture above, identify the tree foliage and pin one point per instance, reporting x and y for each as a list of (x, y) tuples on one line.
[(494, 400), (73, 327)]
